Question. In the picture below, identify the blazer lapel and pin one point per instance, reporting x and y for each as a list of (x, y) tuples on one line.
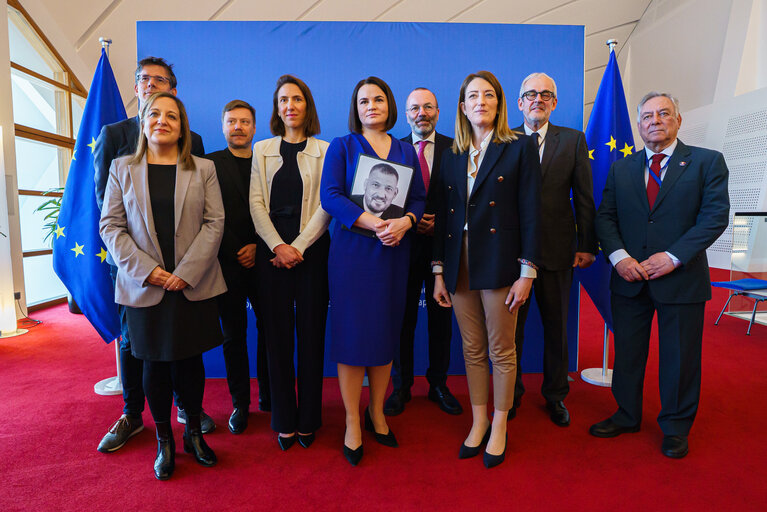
[(637, 178), (677, 164), (493, 153), (461, 177), (183, 177), (549, 148), (139, 175)]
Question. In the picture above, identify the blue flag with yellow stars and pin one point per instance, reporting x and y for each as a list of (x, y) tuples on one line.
[(79, 255), (609, 138)]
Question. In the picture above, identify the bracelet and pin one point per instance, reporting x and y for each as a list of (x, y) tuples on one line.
[(412, 219)]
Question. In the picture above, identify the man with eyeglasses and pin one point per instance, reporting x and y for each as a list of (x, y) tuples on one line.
[(422, 113), (567, 241), (153, 74)]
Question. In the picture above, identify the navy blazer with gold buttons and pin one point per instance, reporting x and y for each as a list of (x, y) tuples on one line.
[(503, 213)]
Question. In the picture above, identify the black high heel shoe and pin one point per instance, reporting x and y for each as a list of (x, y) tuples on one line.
[(306, 440), (493, 460), (387, 439), (286, 442), (353, 456), (467, 452)]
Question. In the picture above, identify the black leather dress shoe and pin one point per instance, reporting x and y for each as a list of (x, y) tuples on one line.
[(674, 446), (286, 442), (306, 440), (196, 445), (445, 399), (558, 413), (607, 428), (467, 452), (493, 460), (395, 404), (165, 462), (387, 439), (353, 456), (238, 421)]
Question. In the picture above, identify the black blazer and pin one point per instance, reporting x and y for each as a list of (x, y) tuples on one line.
[(239, 229), (441, 143), (691, 211), (504, 211), (565, 167), (120, 139)]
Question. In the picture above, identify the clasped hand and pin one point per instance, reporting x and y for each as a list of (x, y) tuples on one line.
[(286, 256), (657, 265), (171, 282), (391, 231)]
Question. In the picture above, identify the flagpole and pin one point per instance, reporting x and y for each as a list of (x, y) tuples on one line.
[(602, 376), (111, 385)]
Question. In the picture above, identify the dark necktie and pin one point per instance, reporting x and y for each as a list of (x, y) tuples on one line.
[(537, 137), (422, 161), (652, 185)]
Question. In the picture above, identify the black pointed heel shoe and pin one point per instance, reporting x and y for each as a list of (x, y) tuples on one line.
[(493, 460), (306, 440), (353, 456), (467, 452), (286, 442), (387, 439)]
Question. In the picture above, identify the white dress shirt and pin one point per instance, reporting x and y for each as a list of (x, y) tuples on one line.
[(428, 151)]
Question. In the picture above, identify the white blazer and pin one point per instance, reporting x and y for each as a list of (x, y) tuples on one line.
[(266, 162), (128, 230)]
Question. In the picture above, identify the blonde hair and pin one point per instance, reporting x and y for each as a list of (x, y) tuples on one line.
[(184, 141), (503, 133)]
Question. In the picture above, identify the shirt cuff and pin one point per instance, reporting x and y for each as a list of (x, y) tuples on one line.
[(617, 256), (436, 269), (674, 259), (528, 271)]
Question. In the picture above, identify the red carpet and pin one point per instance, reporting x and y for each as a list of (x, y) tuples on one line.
[(51, 422)]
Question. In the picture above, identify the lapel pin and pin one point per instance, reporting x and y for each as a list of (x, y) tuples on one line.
[(500, 179), (682, 164)]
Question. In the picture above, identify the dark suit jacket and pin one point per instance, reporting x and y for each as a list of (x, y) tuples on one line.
[(504, 211), (689, 214), (441, 143), (565, 167), (120, 139), (392, 212), (238, 227)]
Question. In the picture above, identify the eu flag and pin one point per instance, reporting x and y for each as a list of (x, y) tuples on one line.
[(608, 135), (79, 255)]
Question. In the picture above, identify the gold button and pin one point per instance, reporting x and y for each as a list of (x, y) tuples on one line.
[(492, 203), (450, 187), (450, 236), (492, 231), (500, 179)]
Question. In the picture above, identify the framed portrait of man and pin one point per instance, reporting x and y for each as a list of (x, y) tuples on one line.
[(381, 188)]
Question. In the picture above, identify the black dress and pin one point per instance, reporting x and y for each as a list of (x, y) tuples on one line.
[(176, 328)]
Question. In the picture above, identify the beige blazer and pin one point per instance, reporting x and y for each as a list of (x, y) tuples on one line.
[(127, 228), (266, 162)]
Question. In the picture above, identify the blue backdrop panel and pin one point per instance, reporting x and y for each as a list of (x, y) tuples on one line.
[(216, 62)]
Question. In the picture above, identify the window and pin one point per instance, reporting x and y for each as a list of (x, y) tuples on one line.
[(48, 103)]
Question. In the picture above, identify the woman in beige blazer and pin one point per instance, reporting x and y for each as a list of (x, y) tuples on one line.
[(162, 222), (292, 261)]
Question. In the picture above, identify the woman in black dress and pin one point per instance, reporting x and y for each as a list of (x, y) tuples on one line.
[(292, 261), (162, 222)]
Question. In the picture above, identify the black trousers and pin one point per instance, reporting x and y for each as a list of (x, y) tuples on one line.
[(294, 304), (552, 294), (233, 311), (440, 326), (680, 339), (186, 376)]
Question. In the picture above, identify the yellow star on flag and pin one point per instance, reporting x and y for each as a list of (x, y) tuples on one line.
[(627, 150), (102, 255), (591, 154), (78, 249), (59, 231), (611, 143), (92, 145), (73, 157)]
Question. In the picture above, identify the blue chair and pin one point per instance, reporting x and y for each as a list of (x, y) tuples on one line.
[(752, 288)]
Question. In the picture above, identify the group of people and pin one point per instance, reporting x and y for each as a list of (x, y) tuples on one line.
[(487, 218)]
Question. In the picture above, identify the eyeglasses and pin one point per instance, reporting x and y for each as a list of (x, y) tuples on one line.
[(531, 95), (428, 108), (143, 79)]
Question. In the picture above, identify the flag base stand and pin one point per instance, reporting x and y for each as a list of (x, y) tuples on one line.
[(11, 334), (110, 386), (600, 376)]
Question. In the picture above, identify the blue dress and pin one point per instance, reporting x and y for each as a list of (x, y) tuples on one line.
[(367, 279)]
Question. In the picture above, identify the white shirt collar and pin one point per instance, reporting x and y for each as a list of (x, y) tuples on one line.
[(543, 130), (431, 138), (667, 151), (482, 145)]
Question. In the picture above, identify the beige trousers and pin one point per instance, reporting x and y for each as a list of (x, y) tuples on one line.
[(486, 327)]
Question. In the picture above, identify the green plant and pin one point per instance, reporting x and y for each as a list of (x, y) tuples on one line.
[(51, 208)]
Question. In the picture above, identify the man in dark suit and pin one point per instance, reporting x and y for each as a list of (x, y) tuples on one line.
[(661, 208), (567, 240), (153, 75), (237, 256), (422, 113)]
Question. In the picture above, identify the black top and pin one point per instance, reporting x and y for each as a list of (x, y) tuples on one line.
[(287, 193), (243, 170), (162, 188)]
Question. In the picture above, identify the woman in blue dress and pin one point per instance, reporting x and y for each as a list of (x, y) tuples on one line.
[(367, 275)]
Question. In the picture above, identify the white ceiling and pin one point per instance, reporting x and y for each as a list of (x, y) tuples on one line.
[(74, 26)]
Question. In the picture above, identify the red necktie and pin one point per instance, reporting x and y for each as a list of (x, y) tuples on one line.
[(424, 166), (652, 186)]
